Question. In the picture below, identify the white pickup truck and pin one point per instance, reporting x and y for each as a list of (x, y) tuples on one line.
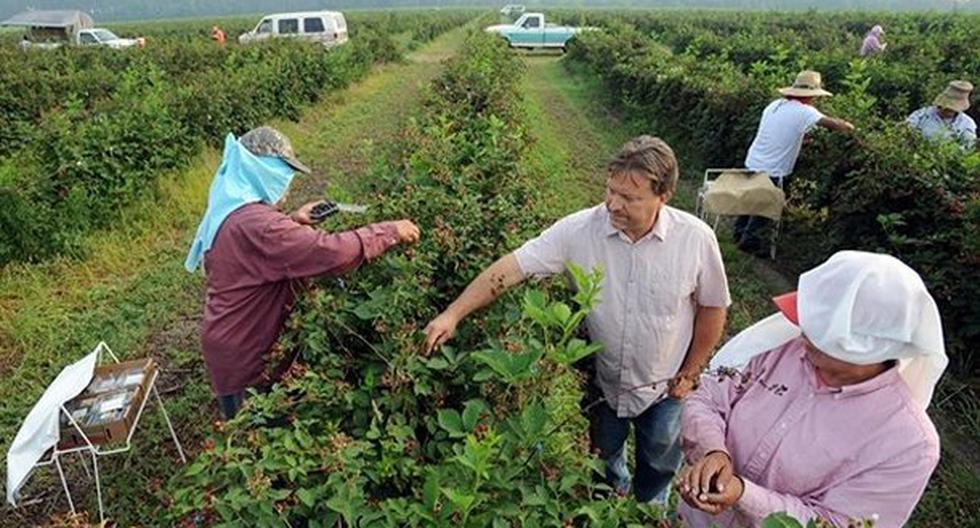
[(531, 31), (104, 37), (53, 29)]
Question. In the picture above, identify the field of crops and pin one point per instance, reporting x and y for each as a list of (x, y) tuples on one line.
[(365, 431), (882, 189), (84, 132)]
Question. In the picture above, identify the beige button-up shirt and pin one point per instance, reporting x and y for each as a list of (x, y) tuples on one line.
[(650, 294)]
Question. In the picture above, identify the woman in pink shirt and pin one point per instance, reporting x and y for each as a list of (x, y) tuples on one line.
[(827, 417)]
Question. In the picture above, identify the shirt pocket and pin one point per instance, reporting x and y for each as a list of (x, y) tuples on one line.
[(667, 293)]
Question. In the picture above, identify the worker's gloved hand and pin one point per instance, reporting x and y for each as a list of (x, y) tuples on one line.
[(408, 232)]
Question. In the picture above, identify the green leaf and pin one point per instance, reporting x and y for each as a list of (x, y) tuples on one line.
[(195, 468), (279, 494), (780, 520), (575, 350), (534, 418), (561, 312), (437, 363), (535, 307), (462, 500), (568, 482), (422, 387), (511, 367), (471, 414), (578, 275), (430, 490), (476, 454), (589, 512), (483, 375), (373, 308), (450, 420), (535, 298)]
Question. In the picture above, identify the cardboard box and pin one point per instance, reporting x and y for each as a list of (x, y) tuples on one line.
[(106, 410)]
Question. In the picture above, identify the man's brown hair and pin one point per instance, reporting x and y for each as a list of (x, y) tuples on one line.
[(650, 156)]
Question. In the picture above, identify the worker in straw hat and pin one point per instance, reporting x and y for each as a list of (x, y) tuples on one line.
[(827, 418), (777, 144), (946, 118), (256, 258)]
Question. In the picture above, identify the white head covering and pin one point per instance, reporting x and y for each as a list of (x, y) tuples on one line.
[(862, 308)]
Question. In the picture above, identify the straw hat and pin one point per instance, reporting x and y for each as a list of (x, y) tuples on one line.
[(807, 84), (956, 96)]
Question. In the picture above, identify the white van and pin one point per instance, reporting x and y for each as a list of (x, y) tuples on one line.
[(326, 27)]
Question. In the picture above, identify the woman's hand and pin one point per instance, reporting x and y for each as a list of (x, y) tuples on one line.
[(302, 215), (710, 484)]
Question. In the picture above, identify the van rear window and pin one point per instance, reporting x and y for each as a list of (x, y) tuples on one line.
[(288, 26), (313, 25)]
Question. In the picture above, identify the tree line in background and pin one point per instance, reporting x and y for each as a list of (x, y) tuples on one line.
[(110, 10)]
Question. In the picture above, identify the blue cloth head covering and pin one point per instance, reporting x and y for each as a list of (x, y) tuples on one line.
[(242, 178)]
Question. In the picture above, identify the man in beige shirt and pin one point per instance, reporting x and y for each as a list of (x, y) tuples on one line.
[(662, 309)]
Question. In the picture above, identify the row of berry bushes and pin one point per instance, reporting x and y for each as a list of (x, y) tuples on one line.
[(884, 189), (925, 51), (37, 83), (88, 130), (370, 433)]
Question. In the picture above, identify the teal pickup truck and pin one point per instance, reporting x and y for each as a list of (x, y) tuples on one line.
[(530, 31)]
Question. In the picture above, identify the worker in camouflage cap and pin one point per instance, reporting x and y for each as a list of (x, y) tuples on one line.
[(256, 257), (267, 141)]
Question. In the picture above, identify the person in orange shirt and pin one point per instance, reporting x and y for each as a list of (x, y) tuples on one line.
[(217, 35)]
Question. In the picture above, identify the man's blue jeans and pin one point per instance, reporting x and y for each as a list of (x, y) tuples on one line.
[(657, 447)]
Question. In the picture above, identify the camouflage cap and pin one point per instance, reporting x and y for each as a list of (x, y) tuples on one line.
[(267, 141)]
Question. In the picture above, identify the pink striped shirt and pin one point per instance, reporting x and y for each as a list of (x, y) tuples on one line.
[(871, 45), (862, 451)]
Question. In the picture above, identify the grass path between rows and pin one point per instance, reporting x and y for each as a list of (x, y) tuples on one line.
[(577, 132), (131, 289)]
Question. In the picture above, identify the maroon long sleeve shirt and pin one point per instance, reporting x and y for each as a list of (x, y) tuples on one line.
[(256, 265)]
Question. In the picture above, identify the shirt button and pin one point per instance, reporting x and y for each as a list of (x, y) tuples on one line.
[(782, 425)]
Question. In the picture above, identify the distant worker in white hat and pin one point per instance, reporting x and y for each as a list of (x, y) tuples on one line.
[(827, 418), (777, 144), (946, 119)]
